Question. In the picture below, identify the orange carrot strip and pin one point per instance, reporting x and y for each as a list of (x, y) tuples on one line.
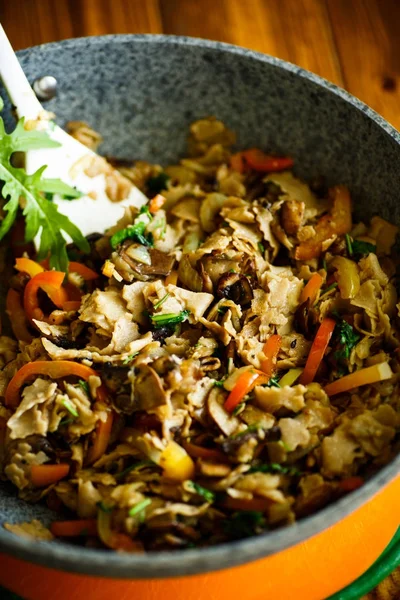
[(156, 203), (245, 383), (317, 351), (271, 351), (311, 289), (44, 475)]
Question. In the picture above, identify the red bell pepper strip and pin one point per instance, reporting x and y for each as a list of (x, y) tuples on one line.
[(101, 439), (87, 527), (259, 161), (317, 351), (311, 289), (17, 316), (51, 283), (54, 369)]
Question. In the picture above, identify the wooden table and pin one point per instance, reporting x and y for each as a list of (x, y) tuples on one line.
[(354, 43)]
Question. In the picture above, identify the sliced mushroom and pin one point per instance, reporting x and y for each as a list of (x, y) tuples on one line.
[(236, 287), (216, 266), (226, 422), (160, 263), (148, 389)]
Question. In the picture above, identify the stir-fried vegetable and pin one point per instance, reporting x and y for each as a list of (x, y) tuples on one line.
[(311, 289), (347, 276), (366, 376), (156, 203), (44, 475), (176, 462), (271, 351), (81, 527), (348, 338), (55, 369), (51, 283), (244, 385), (259, 161), (317, 351), (17, 316), (101, 440), (168, 319), (290, 377)]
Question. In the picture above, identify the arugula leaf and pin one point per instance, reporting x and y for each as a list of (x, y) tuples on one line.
[(274, 468), (348, 338), (244, 523), (40, 214), (158, 183), (361, 248), (208, 495)]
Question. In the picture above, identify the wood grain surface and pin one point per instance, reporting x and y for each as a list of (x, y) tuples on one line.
[(354, 43)]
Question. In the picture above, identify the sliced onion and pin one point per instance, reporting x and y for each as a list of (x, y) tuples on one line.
[(139, 253)]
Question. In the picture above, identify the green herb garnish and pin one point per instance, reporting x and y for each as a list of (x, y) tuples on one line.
[(199, 489), (65, 422), (129, 358), (361, 248), (168, 319), (244, 523), (348, 338), (222, 309), (139, 507), (85, 386), (160, 302), (41, 215), (220, 383), (144, 210), (324, 265), (103, 507), (349, 244), (238, 409), (261, 247), (70, 408), (329, 288), (273, 382), (134, 232), (274, 468), (158, 183), (138, 465)]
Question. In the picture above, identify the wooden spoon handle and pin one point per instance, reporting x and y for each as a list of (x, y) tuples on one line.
[(18, 87)]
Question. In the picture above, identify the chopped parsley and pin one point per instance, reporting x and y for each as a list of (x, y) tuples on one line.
[(238, 409), (324, 265), (208, 495), (168, 319), (158, 183), (138, 465), (349, 244), (160, 302), (139, 507), (261, 247), (70, 408), (274, 468), (144, 210), (244, 523), (220, 383), (361, 248), (347, 338), (273, 382)]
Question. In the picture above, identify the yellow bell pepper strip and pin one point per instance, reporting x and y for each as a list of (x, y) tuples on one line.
[(338, 222), (366, 376), (51, 283), (271, 351), (259, 161), (79, 527), (290, 377), (54, 369), (347, 276), (156, 203), (311, 289), (101, 440), (44, 475), (26, 265), (244, 385), (17, 316), (176, 463), (171, 278), (111, 539), (317, 351)]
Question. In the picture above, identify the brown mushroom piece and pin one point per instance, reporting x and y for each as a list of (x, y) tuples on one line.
[(236, 287), (227, 423), (148, 389), (160, 263), (292, 215), (215, 266)]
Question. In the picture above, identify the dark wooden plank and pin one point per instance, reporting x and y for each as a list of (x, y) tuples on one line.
[(31, 22), (368, 42), (298, 31)]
